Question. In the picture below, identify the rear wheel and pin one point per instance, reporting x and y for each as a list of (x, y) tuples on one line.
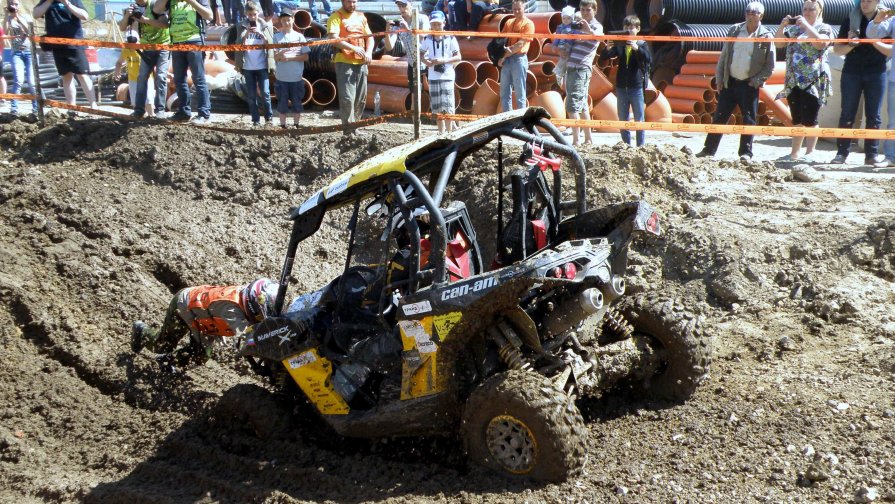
[(518, 424), (687, 349)]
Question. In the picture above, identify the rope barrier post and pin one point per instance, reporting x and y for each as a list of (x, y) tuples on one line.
[(36, 88), (417, 81)]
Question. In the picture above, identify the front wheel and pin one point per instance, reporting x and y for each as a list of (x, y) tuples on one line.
[(254, 409), (518, 424), (687, 353)]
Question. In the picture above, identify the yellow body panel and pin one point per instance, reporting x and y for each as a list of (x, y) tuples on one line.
[(312, 373), (420, 376)]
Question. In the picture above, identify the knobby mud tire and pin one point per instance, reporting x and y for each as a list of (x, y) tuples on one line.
[(551, 417), (688, 354), (252, 408)]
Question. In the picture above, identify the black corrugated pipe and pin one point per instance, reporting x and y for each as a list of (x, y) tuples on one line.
[(733, 11), (672, 54), (320, 62)]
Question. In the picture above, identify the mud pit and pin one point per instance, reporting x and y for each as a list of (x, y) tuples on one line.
[(795, 281)]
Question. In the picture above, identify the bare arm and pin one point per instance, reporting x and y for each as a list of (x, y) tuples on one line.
[(160, 22), (202, 10), (77, 11), (41, 9)]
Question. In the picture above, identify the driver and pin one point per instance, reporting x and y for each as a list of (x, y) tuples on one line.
[(208, 314)]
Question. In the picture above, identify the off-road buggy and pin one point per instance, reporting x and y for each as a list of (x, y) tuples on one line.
[(419, 337)]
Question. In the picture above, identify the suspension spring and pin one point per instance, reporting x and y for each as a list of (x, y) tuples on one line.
[(615, 326), (512, 357)]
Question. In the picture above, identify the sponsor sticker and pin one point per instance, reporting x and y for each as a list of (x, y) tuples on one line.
[(423, 306), (338, 187), (444, 323), (302, 360)]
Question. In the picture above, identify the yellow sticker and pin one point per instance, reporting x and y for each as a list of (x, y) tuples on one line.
[(444, 323)]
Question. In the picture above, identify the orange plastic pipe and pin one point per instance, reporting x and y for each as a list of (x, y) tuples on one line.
[(682, 118), (464, 75), (698, 69), (531, 84), (703, 56), (548, 47), (763, 120), (545, 22), (606, 110), (493, 23), (762, 108), (599, 86), (685, 106), (688, 93), (552, 102), (779, 74), (388, 72), (467, 98), (780, 110), (697, 81), (309, 91), (475, 49), (486, 99), (659, 110), (485, 70), (534, 49), (543, 70), (711, 106), (312, 32), (302, 19), (323, 91), (392, 99), (705, 118)]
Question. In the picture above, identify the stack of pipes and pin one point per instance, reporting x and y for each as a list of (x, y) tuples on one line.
[(693, 97)]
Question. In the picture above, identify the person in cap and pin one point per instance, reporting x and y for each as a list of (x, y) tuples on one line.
[(440, 52), (564, 46), (290, 68), (208, 314), (400, 43)]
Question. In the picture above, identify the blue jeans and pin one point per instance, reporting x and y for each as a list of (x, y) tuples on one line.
[(312, 6), (158, 61), (234, 11), (889, 145), (512, 78), (195, 61), (631, 99), (852, 85), (736, 93), (258, 79), (21, 74)]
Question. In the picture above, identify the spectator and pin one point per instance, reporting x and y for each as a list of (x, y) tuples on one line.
[(290, 67), (63, 19), (315, 15), (188, 19), (130, 59), (883, 26), (632, 77), (17, 25), (580, 68), (864, 73), (742, 68), (234, 11), (405, 37), (256, 64), (514, 63), (208, 314), (440, 52), (808, 82), (351, 60), (477, 11), (564, 46), (153, 29)]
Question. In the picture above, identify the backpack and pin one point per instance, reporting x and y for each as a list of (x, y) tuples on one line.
[(496, 49)]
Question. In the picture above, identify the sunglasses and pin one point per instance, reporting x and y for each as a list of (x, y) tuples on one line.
[(753, 11)]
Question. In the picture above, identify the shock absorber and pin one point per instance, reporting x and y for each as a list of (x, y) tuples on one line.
[(615, 326), (508, 352)]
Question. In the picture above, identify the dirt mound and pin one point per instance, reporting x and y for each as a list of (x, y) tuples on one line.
[(101, 221)]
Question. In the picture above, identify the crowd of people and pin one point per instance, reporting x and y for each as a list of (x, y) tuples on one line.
[(743, 67)]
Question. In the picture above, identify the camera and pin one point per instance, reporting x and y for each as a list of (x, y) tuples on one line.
[(131, 39), (577, 25), (396, 22), (12, 10), (439, 68), (137, 11)]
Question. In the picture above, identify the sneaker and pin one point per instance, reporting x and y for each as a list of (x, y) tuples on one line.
[(877, 161), (705, 153), (891, 161), (839, 159), (789, 159), (745, 158), (138, 334), (136, 115), (202, 121), (181, 117), (163, 116), (256, 124)]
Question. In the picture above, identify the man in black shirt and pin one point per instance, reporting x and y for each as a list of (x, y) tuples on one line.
[(864, 72)]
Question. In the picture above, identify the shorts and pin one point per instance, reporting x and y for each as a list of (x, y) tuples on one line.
[(577, 82), (70, 60), (804, 107), (441, 96), (286, 91)]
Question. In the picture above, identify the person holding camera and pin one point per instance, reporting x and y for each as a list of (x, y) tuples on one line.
[(579, 68), (63, 20), (883, 26), (405, 37), (440, 52), (351, 58), (808, 81), (634, 59), (863, 73), (187, 26), (141, 20), (514, 63), (17, 25), (256, 64), (742, 68)]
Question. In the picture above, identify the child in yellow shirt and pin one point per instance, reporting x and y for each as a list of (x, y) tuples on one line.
[(132, 58)]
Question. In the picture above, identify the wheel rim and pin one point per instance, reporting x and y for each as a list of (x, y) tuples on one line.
[(512, 444)]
